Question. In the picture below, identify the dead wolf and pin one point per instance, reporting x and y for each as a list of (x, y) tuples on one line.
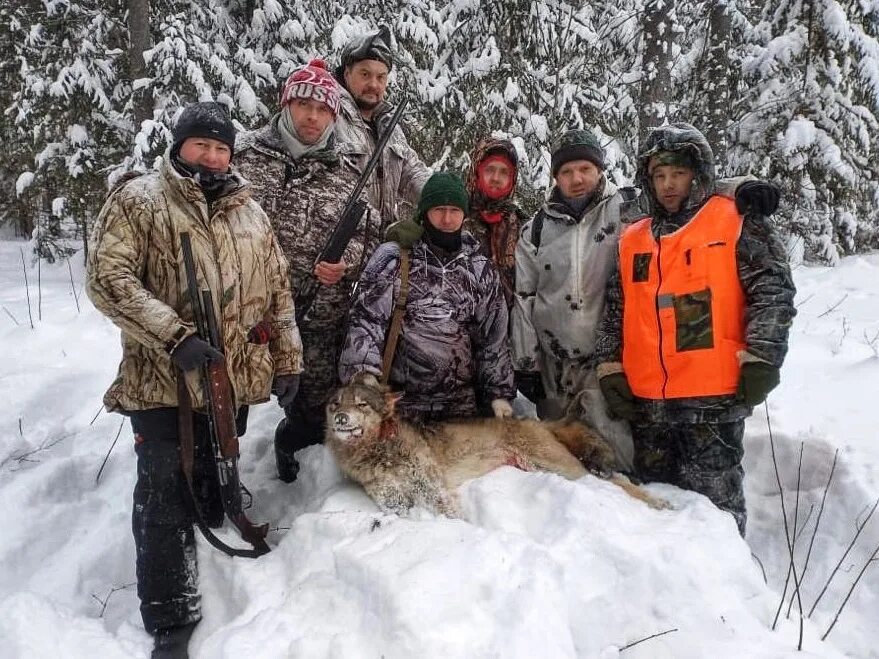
[(401, 465)]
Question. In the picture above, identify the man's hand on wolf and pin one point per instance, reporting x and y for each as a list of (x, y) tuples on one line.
[(285, 387), (501, 408)]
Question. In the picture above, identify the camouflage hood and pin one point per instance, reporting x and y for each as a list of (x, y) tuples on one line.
[(485, 148), (683, 139)]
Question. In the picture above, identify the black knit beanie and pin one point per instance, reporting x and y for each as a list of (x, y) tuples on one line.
[(204, 119), (577, 145)]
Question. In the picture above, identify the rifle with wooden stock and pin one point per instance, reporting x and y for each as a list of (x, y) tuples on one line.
[(351, 215), (219, 407)]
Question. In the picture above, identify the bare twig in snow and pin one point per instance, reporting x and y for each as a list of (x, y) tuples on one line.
[(873, 557), (107, 457), (787, 533), (804, 300), (8, 313), (818, 519), (27, 289), (25, 457), (94, 418), (796, 535), (762, 568), (72, 286), (858, 528), (106, 600), (647, 638), (873, 343), (834, 306)]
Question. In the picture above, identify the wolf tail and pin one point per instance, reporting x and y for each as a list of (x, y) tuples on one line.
[(585, 444)]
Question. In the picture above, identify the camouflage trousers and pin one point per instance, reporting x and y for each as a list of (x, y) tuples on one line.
[(702, 457)]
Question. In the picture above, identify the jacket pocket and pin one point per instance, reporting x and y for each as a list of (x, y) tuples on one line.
[(693, 321)]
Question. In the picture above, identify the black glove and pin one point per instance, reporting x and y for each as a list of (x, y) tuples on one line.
[(193, 352), (757, 197), (285, 387), (530, 385), (618, 394), (756, 380)]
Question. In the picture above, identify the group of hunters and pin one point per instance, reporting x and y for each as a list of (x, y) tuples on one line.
[(660, 317)]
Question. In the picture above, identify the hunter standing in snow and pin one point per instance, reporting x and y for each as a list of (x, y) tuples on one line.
[(136, 278), (363, 74), (494, 218), (302, 182), (564, 258), (696, 322), (452, 357)]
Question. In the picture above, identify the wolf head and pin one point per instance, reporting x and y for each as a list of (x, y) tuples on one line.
[(359, 408)]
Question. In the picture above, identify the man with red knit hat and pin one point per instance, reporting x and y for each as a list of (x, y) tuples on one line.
[(302, 181), (495, 218)]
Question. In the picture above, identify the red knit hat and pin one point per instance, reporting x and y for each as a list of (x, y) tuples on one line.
[(312, 81)]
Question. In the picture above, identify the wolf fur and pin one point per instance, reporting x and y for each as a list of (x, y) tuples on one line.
[(401, 465)]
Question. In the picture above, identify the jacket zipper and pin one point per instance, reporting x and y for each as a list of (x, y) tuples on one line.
[(658, 319)]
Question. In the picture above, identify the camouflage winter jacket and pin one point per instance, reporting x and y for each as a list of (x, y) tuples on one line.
[(304, 200), (397, 180), (136, 278), (497, 240), (452, 352), (763, 271)]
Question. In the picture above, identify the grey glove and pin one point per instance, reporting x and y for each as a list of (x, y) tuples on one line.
[(285, 387), (193, 352)]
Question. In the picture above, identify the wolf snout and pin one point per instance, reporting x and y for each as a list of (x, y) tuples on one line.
[(341, 419)]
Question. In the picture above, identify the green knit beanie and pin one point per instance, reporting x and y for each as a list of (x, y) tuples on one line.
[(442, 189)]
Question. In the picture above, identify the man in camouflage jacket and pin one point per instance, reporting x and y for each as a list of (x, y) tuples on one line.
[(494, 218), (363, 116), (302, 182), (136, 278), (452, 358), (695, 442)]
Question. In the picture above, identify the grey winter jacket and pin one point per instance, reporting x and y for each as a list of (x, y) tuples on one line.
[(397, 181), (452, 354), (560, 283)]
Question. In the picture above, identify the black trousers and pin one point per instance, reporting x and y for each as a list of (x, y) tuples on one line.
[(167, 570)]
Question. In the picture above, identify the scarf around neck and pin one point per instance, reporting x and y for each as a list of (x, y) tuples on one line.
[(324, 149)]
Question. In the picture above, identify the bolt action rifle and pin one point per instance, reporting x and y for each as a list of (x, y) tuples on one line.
[(218, 400), (350, 219)]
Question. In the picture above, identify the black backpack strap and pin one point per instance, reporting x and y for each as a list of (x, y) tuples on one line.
[(536, 229)]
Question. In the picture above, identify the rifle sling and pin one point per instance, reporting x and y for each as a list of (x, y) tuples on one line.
[(252, 534), (397, 317)]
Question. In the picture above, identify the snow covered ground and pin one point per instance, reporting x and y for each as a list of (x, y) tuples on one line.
[(542, 568)]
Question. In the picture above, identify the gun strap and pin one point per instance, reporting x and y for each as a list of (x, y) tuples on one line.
[(397, 317), (187, 457)]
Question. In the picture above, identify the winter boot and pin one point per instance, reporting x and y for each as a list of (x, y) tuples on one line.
[(172, 642), (285, 447)]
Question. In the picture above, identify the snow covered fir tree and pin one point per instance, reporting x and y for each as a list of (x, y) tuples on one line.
[(399, 520), (788, 92)]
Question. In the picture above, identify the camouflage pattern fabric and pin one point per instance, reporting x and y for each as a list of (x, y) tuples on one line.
[(396, 183), (496, 241), (560, 284), (136, 278), (701, 457), (765, 275), (304, 200), (452, 355)]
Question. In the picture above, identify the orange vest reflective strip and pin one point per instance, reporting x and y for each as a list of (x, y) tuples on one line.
[(683, 305)]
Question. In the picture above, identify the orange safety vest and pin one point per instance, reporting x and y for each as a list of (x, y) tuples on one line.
[(683, 305)]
